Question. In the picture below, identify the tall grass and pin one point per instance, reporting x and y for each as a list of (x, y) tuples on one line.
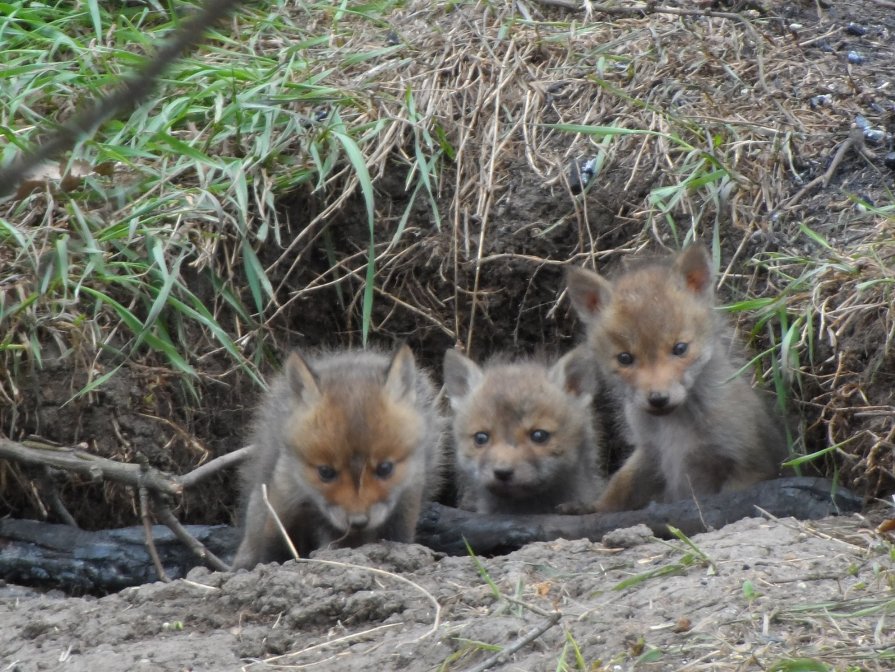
[(149, 231)]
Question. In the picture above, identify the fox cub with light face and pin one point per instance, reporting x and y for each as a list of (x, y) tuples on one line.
[(697, 427), (349, 445), (523, 433)]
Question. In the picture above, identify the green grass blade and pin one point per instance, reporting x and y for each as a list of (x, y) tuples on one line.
[(93, 8), (799, 665), (358, 162)]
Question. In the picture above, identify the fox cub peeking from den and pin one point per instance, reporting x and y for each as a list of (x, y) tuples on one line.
[(523, 433), (349, 445), (696, 426)]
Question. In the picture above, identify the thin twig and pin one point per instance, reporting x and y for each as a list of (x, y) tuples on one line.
[(805, 528), (853, 140), (279, 523), (502, 655), (436, 623), (202, 472), (564, 4), (56, 503), (134, 88), (338, 640), (150, 542), (163, 511)]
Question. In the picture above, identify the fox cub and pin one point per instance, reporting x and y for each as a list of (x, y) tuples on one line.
[(349, 445), (524, 434), (696, 427)]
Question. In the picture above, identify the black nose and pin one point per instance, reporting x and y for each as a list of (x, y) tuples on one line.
[(358, 520), (658, 399), (503, 474)]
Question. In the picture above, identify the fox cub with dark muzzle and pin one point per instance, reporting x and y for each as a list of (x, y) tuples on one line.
[(349, 445), (696, 425), (524, 433)]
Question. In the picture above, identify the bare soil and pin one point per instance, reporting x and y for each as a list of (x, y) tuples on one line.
[(741, 598)]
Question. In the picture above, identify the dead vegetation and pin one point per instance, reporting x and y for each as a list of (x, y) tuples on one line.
[(487, 145)]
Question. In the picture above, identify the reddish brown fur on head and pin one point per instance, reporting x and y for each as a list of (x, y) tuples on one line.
[(360, 433), (353, 432), (643, 316), (348, 444)]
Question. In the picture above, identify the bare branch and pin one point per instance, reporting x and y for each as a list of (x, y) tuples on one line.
[(163, 511), (150, 482), (203, 471), (503, 655), (147, 533), (92, 466)]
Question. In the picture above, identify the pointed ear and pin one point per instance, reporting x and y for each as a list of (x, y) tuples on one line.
[(590, 293), (576, 373), (461, 375), (301, 378), (400, 379), (695, 265)]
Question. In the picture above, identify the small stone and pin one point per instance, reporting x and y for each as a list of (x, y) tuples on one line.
[(874, 136), (580, 174), (683, 624), (627, 537)]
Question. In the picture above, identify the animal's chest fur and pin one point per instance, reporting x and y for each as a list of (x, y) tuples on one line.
[(673, 440)]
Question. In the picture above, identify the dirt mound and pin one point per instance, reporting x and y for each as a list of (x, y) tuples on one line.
[(753, 594)]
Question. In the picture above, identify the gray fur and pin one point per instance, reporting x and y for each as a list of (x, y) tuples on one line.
[(715, 433), (502, 399)]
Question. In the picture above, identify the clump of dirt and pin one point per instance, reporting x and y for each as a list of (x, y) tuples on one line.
[(143, 414), (749, 595)]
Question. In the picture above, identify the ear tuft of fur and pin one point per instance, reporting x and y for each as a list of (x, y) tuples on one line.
[(400, 379), (695, 265), (301, 378), (589, 292), (576, 373), (461, 375)]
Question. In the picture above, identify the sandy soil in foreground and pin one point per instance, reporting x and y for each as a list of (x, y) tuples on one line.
[(743, 597)]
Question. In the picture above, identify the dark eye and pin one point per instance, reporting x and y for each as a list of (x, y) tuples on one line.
[(625, 358), (326, 473), (481, 438), (540, 436), (384, 469), (679, 349)]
